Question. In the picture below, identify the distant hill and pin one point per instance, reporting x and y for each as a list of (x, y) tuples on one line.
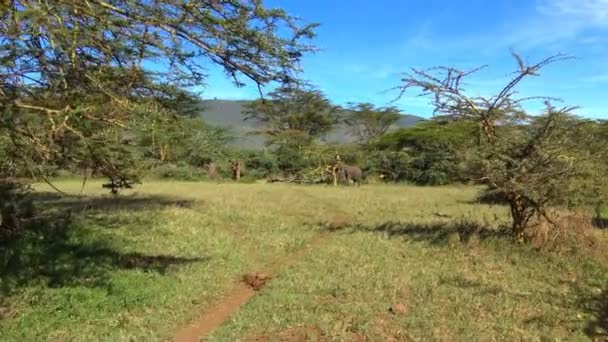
[(229, 114)]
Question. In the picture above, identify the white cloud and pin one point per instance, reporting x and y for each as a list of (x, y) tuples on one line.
[(561, 21), (586, 12), (550, 24)]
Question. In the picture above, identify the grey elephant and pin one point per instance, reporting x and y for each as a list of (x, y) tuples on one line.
[(351, 172)]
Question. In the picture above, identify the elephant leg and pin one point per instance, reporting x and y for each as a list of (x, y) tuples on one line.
[(348, 180)]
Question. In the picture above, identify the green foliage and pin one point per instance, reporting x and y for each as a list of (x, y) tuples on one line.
[(368, 122), (16, 211), (428, 153), (290, 148), (322, 154), (429, 135), (73, 69), (206, 144), (492, 197), (259, 164), (8, 163), (391, 166), (590, 139), (292, 109), (435, 168), (295, 118), (180, 138), (179, 171), (544, 161), (531, 161), (117, 160)]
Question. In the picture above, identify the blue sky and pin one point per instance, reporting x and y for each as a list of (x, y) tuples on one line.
[(366, 45)]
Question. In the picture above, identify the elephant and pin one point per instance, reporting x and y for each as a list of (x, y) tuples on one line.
[(350, 172)]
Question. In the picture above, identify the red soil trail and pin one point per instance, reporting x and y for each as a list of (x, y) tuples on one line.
[(219, 312)]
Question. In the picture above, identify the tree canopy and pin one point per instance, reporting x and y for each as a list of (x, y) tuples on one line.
[(296, 110), (532, 161), (82, 70), (368, 122)]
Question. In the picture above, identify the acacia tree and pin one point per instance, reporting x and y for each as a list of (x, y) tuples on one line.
[(180, 138), (294, 109), (531, 161), (437, 148), (368, 122), (85, 69), (293, 118)]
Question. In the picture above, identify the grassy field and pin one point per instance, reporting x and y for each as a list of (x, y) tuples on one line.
[(604, 213), (146, 264)]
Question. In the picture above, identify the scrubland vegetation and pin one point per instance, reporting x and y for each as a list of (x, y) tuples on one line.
[(125, 216)]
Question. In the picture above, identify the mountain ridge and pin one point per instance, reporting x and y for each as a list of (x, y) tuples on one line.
[(228, 114)]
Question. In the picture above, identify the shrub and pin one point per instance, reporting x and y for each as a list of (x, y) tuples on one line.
[(183, 172), (534, 160), (259, 164), (492, 197), (574, 234), (392, 166), (16, 212)]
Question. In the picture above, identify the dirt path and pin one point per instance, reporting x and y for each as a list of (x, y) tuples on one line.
[(219, 312)]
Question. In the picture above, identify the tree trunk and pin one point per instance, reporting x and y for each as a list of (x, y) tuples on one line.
[(236, 168), (163, 151), (519, 215), (334, 174), (211, 170), (336, 168), (84, 181)]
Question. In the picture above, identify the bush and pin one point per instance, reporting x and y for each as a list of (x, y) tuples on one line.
[(434, 168), (16, 210), (349, 154), (259, 164), (183, 172), (392, 166), (574, 235), (492, 197)]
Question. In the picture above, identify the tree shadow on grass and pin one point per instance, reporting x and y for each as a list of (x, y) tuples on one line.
[(461, 282), (435, 233), (61, 264), (597, 307), (601, 223), (56, 250), (441, 233), (589, 300), (53, 200)]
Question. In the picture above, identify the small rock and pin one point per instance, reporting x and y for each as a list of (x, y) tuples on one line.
[(6, 312), (338, 222), (256, 280), (398, 309)]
